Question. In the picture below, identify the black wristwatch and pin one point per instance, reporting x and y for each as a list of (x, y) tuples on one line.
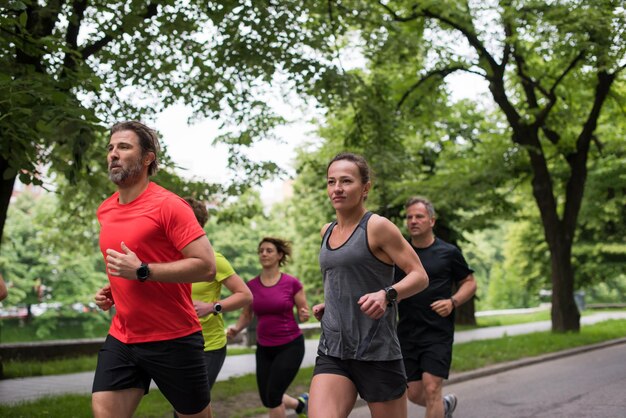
[(143, 272), (217, 308), (392, 295)]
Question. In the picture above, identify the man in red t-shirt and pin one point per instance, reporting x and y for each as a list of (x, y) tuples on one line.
[(153, 248)]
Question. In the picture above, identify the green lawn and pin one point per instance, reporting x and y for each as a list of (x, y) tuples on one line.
[(237, 397)]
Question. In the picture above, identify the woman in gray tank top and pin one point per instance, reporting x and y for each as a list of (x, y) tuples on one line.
[(359, 351)]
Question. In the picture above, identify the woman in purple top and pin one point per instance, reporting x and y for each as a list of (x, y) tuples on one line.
[(280, 343)]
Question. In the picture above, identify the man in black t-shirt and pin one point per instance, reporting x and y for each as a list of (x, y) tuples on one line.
[(426, 320)]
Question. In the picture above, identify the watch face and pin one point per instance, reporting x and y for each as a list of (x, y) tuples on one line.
[(392, 294), (143, 272)]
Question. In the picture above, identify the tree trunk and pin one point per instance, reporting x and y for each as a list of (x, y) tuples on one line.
[(558, 235), (6, 191), (565, 315)]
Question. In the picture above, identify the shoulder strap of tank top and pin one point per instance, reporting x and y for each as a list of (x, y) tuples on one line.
[(327, 232), (364, 219)]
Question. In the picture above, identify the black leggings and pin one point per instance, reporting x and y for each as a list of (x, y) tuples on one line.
[(276, 367)]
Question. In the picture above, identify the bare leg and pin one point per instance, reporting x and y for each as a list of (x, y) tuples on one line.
[(332, 396), (290, 402), (116, 403), (433, 395), (416, 393), (278, 412), (395, 408)]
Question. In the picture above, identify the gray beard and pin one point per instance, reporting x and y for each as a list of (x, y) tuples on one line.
[(126, 176)]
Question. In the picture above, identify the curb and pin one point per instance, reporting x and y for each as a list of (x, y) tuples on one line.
[(510, 365)]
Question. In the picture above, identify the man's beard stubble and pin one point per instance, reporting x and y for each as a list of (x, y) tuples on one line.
[(126, 176)]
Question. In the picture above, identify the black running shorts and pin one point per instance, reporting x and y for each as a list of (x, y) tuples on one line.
[(176, 366), (376, 381), (434, 359)]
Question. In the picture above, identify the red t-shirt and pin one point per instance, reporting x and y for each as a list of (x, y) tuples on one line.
[(156, 226)]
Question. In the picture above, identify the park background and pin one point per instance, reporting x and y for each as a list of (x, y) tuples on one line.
[(527, 172)]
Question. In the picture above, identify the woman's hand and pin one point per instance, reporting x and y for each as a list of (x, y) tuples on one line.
[(303, 314), (202, 308), (374, 304), (318, 311), (231, 332)]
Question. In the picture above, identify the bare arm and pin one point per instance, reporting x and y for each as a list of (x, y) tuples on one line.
[(303, 307), (198, 264), (244, 320), (388, 244), (318, 311), (467, 289), (240, 297)]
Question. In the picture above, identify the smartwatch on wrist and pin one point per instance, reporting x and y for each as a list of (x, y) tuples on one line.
[(217, 308), (143, 272), (454, 302), (392, 295)]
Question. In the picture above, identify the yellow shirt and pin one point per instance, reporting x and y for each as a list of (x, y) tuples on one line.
[(209, 292)]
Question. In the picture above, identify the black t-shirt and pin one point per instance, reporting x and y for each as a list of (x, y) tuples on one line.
[(418, 323)]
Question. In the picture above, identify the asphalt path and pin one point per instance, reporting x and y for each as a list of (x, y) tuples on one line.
[(591, 384)]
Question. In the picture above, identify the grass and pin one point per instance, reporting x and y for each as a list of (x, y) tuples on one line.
[(512, 319), (237, 397), (29, 368), (91, 325), (477, 354)]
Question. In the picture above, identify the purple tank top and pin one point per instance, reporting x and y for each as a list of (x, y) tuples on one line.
[(273, 307)]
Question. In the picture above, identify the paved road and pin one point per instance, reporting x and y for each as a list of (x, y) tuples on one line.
[(16, 390), (591, 384)]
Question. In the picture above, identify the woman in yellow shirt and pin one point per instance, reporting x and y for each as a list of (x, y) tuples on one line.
[(209, 305)]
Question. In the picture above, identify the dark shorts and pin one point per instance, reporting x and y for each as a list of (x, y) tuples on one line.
[(434, 359), (214, 360), (176, 366), (376, 381)]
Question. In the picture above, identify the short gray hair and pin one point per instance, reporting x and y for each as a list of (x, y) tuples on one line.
[(424, 201)]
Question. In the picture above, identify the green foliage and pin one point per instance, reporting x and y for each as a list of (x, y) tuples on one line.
[(40, 268), (551, 67), (132, 60), (33, 255)]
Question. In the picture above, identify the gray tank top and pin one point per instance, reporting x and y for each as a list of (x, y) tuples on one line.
[(349, 272)]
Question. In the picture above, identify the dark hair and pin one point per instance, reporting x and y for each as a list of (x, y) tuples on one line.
[(282, 246), (361, 163), (199, 209), (424, 201), (148, 140)]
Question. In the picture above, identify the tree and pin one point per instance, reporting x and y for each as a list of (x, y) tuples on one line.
[(36, 263), (550, 67), (67, 69)]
